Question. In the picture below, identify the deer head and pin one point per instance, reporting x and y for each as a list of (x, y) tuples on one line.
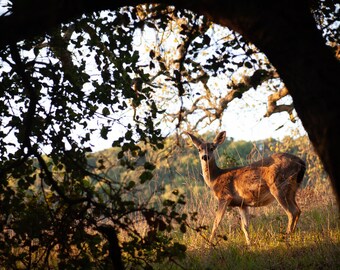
[(206, 149)]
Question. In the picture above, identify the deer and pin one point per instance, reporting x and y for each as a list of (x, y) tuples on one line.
[(277, 177)]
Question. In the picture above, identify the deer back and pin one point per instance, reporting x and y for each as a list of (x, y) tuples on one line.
[(254, 184)]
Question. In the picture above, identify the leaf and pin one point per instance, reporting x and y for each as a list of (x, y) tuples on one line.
[(151, 25), (206, 39), (130, 185), (160, 145), (175, 192), (248, 64), (120, 154), (161, 225), (249, 52), (145, 176), (36, 51), (104, 131), (128, 135), (105, 111), (149, 166), (183, 228), (152, 54), (162, 66)]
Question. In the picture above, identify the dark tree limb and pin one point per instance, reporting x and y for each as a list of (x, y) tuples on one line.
[(114, 249)]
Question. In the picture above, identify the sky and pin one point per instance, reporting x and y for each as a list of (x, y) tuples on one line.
[(2, 4)]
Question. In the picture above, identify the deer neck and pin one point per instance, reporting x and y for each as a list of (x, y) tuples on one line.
[(210, 171)]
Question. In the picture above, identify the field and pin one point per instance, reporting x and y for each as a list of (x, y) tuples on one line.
[(315, 244)]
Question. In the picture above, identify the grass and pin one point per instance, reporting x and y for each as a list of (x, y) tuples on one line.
[(304, 250), (315, 244)]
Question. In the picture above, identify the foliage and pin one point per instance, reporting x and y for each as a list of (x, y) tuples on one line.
[(51, 198), (326, 14)]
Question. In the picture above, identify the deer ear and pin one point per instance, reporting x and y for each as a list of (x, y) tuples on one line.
[(219, 139), (197, 142)]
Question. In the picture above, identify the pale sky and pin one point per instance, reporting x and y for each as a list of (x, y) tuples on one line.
[(2, 4)]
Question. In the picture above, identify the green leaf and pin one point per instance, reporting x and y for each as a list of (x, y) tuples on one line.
[(149, 166), (248, 64), (104, 131), (130, 185), (105, 111), (145, 176)]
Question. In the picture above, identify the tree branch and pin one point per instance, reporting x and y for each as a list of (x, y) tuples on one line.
[(274, 108)]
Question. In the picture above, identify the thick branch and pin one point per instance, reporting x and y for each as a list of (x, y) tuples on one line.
[(274, 108), (114, 250)]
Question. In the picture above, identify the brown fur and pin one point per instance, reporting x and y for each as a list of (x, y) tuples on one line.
[(258, 184)]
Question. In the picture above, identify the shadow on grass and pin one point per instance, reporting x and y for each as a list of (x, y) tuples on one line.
[(318, 255)]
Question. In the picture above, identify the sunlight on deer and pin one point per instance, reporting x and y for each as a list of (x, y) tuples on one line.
[(257, 184)]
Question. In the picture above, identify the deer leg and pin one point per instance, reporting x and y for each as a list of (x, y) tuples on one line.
[(244, 213), (222, 205), (296, 215), (293, 206), (293, 213), (289, 205)]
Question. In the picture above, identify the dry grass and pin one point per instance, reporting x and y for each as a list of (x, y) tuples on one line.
[(315, 244)]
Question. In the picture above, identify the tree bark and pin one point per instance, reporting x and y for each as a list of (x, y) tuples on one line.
[(285, 31)]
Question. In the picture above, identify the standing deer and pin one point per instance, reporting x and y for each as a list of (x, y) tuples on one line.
[(258, 184)]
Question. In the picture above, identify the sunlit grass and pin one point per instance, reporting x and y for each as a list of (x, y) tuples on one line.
[(314, 245)]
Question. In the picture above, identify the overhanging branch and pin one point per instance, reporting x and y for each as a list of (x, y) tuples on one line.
[(274, 108)]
